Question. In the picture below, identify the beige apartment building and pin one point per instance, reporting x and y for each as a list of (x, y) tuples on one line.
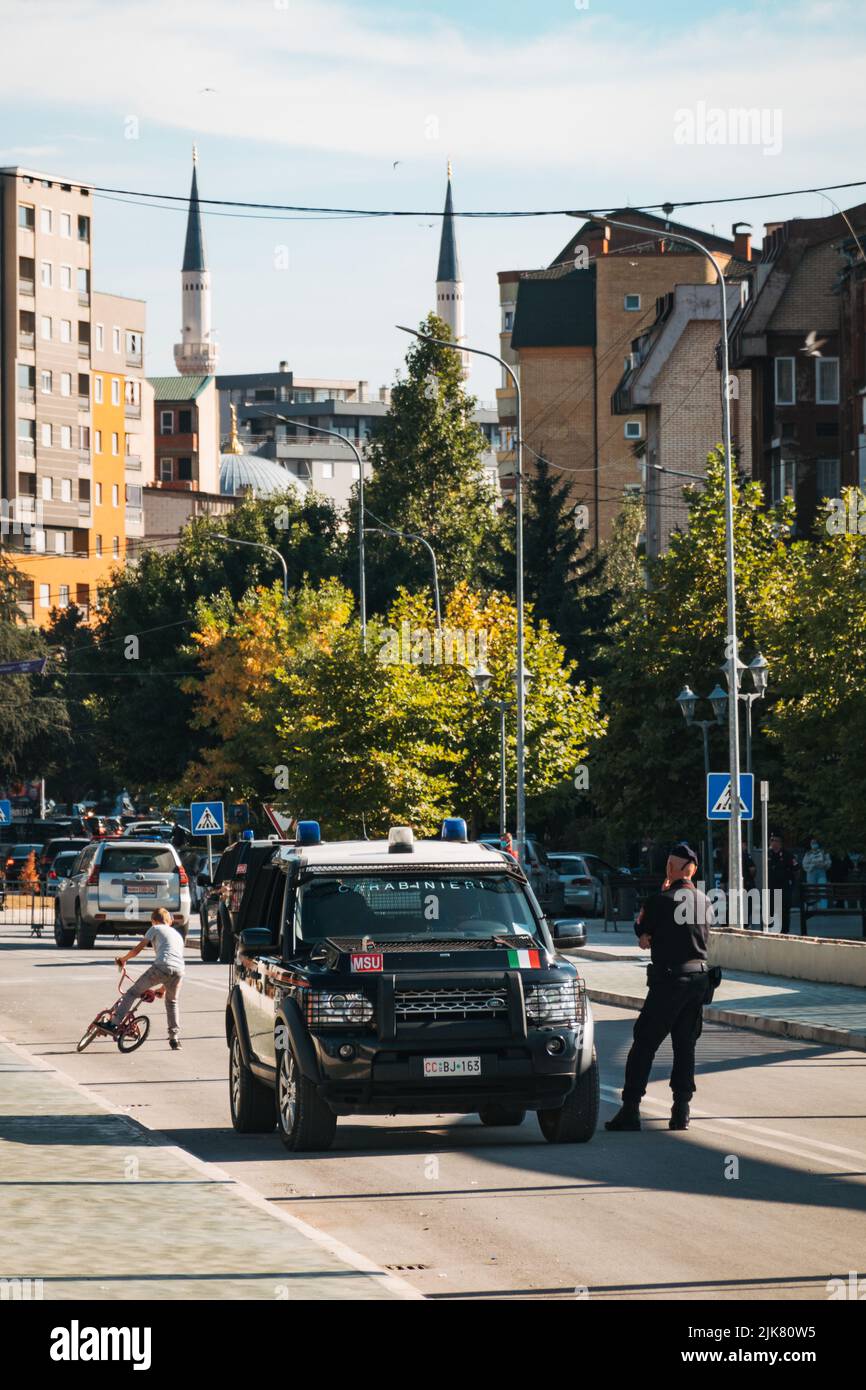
[(569, 329), (70, 362)]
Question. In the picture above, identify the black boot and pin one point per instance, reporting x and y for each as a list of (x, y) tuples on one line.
[(626, 1118), (679, 1115)]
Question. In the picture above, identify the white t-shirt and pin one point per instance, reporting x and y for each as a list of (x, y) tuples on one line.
[(167, 944)]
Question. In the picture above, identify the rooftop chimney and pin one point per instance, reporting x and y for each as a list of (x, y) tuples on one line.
[(742, 240), (284, 366)]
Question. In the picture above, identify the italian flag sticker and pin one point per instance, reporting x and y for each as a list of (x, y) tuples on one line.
[(524, 960)]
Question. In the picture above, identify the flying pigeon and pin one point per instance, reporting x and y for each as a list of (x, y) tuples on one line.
[(813, 344)]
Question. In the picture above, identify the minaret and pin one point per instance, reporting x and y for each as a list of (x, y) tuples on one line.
[(449, 281), (196, 353)]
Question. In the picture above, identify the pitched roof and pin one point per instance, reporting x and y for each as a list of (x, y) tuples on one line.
[(193, 250), (556, 312), (449, 261), (178, 388)]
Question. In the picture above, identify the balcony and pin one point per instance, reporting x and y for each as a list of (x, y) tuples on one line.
[(134, 516), (83, 402), (27, 395), (26, 449), (133, 463), (83, 299), (27, 287), (134, 359), (84, 508), (132, 410), (83, 349), (27, 340), (84, 456)]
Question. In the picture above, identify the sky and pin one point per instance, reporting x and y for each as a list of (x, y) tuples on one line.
[(557, 104)]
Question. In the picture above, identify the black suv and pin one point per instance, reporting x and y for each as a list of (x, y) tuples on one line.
[(221, 899), (385, 977)]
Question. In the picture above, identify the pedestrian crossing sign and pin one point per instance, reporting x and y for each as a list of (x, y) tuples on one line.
[(207, 818), (5, 812), (719, 796)]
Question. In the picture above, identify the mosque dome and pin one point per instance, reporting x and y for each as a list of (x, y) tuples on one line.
[(263, 477)]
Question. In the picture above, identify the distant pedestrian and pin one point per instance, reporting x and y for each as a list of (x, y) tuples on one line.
[(782, 870), (165, 975), (816, 862), (674, 925), (507, 844)]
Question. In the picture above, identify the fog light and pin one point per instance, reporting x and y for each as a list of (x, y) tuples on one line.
[(347, 1052), (554, 1046)]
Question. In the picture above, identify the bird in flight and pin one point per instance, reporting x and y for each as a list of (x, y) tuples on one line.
[(207, 89), (813, 344), (396, 162)]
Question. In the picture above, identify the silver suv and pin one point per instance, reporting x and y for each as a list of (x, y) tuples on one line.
[(115, 886)]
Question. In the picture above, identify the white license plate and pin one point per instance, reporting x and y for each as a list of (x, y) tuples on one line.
[(452, 1066), (146, 888)]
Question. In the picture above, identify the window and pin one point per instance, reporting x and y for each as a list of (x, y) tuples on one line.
[(84, 437), (133, 345), (97, 441), (27, 216), (46, 489), (184, 470), (631, 303), (166, 470), (65, 490), (84, 490), (786, 391), (66, 277), (60, 544), (38, 540), (26, 378), (99, 494), (508, 321), (115, 494), (632, 429), (66, 330), (44, 596), (827, 381), (827, 478), (783, 479), (133, 494), (45, 220), (27, 429), (45, 327), (115, 340), (46, 275), (115, 390), (356, 472), (45, 383), (115, 443), (100, 337), (97, 390), (66, 383), (115, 547), (82, 279), (132, 391), (66, 224), (184, 422), (66, 436), (327, 470), (83, 228), (46, 436), (166, 422), (97, 543), (63, 600)]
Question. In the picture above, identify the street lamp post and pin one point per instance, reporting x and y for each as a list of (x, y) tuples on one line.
[(259, 545), (335, 434), (383, 530), (734, 856), (687, 701), (518, 510), (759, 670), (481, 678)]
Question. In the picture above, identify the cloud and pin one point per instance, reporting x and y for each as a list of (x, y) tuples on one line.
[(16, 153)]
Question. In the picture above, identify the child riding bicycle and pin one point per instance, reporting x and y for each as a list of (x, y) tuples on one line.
[(165, 976)]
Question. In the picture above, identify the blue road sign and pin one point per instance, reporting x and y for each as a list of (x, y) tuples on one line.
[(5, 812), (207, 818), (719, 796)]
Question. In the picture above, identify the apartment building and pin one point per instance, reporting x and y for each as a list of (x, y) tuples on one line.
[(568, 330), (186, 425), (69, 358)]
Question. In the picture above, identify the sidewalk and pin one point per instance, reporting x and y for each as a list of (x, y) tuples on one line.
[(614, 968), (99, 1207)]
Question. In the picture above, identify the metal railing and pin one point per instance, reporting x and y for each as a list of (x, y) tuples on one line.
[(28, 904)]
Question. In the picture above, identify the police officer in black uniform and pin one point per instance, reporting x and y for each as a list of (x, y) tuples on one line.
[(674, 925)]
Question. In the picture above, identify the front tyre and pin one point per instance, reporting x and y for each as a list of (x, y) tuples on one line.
[(501, 1115), (226, 943), (250, 1101), (208, 950), (135, 1034), (304, 1120), (574, 1122)]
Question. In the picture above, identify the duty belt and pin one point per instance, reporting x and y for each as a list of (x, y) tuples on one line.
[(690, 967)]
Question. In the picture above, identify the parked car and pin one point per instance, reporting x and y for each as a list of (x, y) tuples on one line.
[(113, 888), (222, 898), (543, 879), (51, 850), (60, 870), (582, 890), (16, 858)]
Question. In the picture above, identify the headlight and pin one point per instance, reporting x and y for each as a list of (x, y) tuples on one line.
[(550, 1006), (323, 1008)]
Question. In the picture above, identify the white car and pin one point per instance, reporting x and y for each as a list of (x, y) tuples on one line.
[(114, 887)]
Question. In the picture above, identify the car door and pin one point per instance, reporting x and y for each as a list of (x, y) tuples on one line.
[(72, 887)]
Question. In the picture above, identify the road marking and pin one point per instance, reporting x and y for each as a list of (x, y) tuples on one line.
[(392, 1282), (792, 1145)]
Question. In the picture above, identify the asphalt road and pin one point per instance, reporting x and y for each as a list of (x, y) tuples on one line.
[(765, 1196)]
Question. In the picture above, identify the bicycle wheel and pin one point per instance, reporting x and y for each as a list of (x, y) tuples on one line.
[(135, 1034), (91, 1033)]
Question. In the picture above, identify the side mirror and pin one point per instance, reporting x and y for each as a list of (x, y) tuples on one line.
[(256, 939), (568, 931)]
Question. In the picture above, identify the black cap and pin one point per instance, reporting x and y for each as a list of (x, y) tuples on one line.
[(682, 851)]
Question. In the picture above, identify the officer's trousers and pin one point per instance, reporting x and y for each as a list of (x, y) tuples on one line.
[(673, 1006)]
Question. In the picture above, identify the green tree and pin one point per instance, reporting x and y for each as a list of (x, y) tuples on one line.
[(427, 478), (30, 711)]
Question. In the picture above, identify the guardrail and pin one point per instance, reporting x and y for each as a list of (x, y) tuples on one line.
[(28, 903)]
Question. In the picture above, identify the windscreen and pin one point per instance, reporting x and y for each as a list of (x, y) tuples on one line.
[(387, 906), (117, 860)]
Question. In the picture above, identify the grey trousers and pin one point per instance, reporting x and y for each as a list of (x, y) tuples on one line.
[(153, 978)]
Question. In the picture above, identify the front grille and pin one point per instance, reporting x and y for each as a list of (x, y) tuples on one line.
[(419, 1005)]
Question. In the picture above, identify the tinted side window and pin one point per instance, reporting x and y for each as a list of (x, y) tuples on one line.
[(226, 867)]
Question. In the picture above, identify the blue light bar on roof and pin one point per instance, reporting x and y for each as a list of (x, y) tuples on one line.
[(308, 833), (454, 828)]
